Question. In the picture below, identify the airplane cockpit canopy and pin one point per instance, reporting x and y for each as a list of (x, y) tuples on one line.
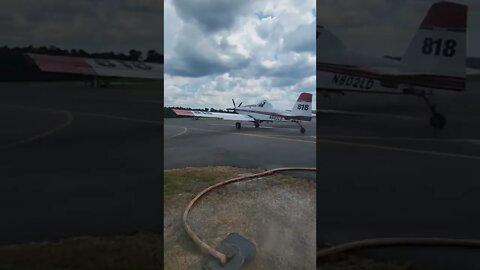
[(264, 104)]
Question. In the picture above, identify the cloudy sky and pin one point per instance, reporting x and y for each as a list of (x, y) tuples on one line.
[(216, 50), (379, 27), (93, 25)]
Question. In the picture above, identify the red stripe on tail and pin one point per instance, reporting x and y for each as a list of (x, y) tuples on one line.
[(446, 15), (305, 97)]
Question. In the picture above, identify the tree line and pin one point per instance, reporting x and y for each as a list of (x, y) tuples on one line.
[(151, 56)]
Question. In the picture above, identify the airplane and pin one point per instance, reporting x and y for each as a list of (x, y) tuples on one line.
[(434, 60), (261, 112)]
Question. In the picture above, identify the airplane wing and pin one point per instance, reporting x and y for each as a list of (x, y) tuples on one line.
[(223, 116), (97, 67)]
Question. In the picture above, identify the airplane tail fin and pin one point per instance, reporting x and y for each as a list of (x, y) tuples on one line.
[(303, 106), (438, 49)]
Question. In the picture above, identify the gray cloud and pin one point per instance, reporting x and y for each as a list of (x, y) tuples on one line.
[(303, 39), (211, 15), (197, 56), (289, 70), (270, 31)]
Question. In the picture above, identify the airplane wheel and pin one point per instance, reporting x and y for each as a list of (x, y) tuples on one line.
[(238, 125), (302, 130), (438, 121), (257, 124)]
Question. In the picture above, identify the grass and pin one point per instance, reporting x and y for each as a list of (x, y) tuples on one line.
[(194, 179)]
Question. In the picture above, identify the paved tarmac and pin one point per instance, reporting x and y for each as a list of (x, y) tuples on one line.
[(384, 172), (79, 161), (191, 143)]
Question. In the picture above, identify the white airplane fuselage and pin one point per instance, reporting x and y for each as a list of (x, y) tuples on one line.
[(262, 114)]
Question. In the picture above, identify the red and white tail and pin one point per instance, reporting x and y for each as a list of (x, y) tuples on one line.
[(439, 46), (303, 106)]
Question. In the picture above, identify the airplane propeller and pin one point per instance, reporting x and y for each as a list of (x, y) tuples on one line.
[(234, 106)]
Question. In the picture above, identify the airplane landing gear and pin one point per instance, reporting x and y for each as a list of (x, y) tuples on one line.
[(437, 120), (302, 129), (238, 125), (257, 124)]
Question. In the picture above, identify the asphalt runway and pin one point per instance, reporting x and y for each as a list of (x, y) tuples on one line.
[(193, 143), (384, 172), (79, 161)]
